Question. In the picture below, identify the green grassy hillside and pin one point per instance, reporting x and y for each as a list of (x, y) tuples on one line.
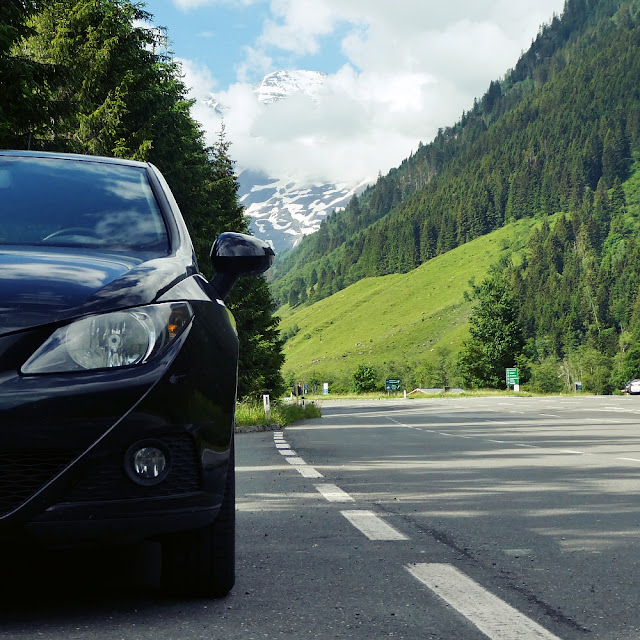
[(395, 323)]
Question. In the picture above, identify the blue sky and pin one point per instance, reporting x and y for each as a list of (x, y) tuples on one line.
[(397, 71), (218, 34)]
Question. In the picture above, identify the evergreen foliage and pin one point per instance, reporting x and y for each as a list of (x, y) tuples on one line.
[(84, 76), (496, 336), (24, 102)]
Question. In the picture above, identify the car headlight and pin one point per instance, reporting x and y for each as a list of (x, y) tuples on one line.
[(116, 339)]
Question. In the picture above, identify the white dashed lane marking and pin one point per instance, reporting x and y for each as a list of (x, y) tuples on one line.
[(296, 461), (372, 526), (309, 472), (494, 617), (333, 493)]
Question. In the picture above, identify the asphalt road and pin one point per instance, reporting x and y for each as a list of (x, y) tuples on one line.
[(456, 519)]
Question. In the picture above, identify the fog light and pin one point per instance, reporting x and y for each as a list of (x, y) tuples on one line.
[(147, 463)]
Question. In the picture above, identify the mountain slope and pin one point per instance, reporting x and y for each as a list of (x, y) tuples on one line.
[(396, 322)]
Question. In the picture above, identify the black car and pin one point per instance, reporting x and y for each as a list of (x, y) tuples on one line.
[(118, 366)]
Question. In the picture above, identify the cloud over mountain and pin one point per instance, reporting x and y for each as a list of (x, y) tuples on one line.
[(409, 68)]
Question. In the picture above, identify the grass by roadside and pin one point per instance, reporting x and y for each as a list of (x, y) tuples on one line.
[(383, 395), (282, 413)]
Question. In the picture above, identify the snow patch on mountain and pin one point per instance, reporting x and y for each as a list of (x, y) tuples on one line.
[(279, 85), (283, 211)]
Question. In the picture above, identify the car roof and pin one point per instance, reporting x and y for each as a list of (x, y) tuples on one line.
[(72, 156)]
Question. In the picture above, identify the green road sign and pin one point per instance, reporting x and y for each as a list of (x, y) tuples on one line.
[(512, 377), (393, 384)]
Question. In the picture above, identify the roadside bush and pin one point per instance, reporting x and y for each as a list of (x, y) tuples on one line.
[(599, 381), (364, 378), (545, 376)]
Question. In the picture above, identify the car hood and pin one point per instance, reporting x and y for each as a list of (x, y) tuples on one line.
[(39, 287)]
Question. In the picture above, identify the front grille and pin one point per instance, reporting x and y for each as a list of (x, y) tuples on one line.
[(109, 481), (22, 473)]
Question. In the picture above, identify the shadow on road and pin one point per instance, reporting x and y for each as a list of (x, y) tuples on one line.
[(43, 583)]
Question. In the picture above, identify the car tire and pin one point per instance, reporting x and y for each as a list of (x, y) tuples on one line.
[(201, 563)]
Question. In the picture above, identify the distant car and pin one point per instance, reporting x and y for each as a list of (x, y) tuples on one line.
[(118, 366), (633, 387)]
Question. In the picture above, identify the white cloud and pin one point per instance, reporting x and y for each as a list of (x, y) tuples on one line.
[(297, 25), (410, 67), (256, 62), (198, 79)]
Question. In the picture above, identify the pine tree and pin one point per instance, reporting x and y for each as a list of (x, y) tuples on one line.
[(496, 338), (24, 97), (261, 357)]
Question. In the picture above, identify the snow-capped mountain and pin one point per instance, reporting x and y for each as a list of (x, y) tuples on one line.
[(282, 84), (284, 209)]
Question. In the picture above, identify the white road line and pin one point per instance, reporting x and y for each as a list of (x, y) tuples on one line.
[(333, 493), (577, 453), (498, 441), (309, 472), (629, 459), (549, 415), (282, 445), (402, 424), (372, 526), (296, 462), (529, 446), (494, 617), (287, 452)]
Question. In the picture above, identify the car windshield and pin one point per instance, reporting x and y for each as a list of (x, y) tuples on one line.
[(58, 202)]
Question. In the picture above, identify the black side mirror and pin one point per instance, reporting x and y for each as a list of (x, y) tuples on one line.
[(234, 255)]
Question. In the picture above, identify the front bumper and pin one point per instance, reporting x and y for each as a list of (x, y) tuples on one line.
[(64, 438)]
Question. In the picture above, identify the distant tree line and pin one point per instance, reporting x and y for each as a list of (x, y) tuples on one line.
[(86, 76)]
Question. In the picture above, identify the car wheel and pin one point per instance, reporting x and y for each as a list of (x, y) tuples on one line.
[(201, 563)]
